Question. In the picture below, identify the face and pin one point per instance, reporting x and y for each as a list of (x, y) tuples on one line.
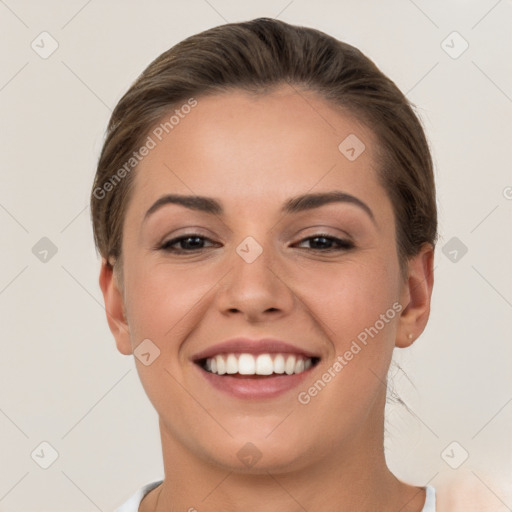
[(256, 265)]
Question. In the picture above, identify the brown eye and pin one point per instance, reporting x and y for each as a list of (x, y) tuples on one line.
[(327, 243), (186, 243)]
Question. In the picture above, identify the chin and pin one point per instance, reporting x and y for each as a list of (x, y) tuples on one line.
[(246, 455)]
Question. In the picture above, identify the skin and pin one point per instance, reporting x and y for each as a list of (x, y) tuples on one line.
[(252, 153)]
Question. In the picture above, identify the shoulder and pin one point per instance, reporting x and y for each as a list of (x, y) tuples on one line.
[(471, 491), (132, 505)]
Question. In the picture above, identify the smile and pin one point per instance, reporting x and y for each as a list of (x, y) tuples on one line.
[(262, 364), (256, 369)]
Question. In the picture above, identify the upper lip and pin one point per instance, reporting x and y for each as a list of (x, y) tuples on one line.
[(250, 346)]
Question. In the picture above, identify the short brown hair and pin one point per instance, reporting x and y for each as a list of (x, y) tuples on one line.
[(256, 56)]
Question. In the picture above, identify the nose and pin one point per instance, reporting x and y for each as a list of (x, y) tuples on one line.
[(256, 290)]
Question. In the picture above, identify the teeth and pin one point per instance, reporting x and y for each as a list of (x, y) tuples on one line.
[(289, 367), (231, 364), (246, 364), (279, 363), (221, 365), (263, 364)]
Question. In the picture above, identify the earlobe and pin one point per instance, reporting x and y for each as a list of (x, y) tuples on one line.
[(415, 297), (114, 308)]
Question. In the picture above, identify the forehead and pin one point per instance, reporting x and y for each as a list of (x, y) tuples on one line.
[(258, 148)]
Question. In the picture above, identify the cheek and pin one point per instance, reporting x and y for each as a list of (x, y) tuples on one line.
[(356, 308), (161, 298), (350, 297)]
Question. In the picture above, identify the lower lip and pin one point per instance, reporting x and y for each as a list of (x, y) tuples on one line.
[(254, 388)]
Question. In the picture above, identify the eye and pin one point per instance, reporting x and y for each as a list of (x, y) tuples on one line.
[(325, 243), (191, 242), (194, 242)]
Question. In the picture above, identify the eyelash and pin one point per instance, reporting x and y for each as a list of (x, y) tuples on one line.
[(343, 245)]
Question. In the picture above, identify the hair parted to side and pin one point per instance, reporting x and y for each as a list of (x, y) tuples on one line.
[(256, 56)]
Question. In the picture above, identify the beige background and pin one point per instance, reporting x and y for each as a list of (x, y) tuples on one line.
[(62, 380)]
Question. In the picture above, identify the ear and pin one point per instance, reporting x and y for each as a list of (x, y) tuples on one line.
[(114, 308), (415, 297)]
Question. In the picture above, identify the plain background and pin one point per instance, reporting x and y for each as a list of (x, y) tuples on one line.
[(63, 381)]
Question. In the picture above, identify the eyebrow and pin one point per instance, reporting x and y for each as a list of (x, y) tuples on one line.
[(296, 204)]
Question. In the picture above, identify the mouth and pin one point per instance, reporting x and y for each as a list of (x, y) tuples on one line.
[(251, 377), (255, 369), (263, 365)]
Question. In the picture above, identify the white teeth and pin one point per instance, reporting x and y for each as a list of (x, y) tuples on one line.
[(262, 364), (221, 365), (279, 363), (231, 364), (246, 364), (289, 367)]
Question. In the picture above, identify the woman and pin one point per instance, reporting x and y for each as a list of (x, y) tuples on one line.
[(265, 209)]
